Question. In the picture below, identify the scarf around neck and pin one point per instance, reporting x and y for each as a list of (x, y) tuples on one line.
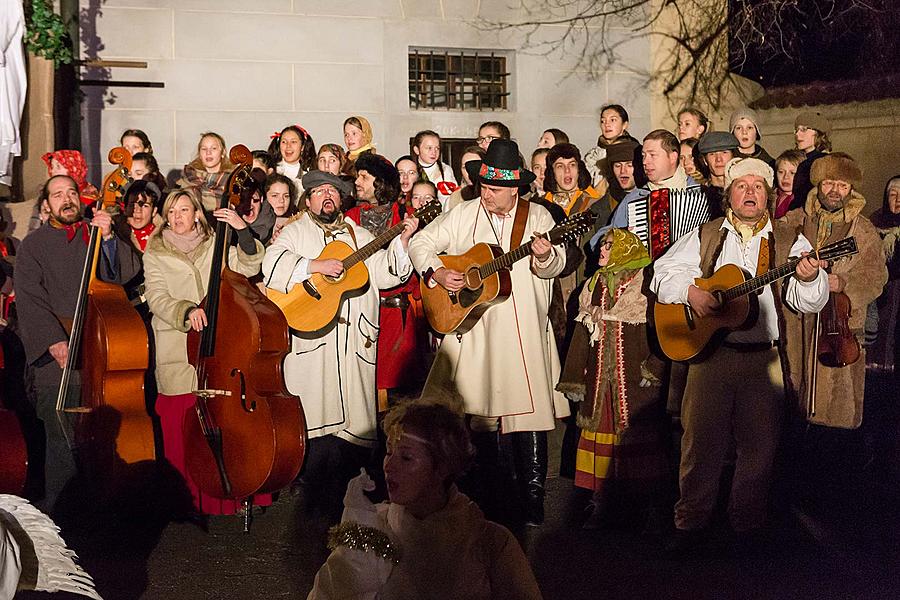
[(185, 243), (678, 181), (826, 218), (746, 231), (627, 255)]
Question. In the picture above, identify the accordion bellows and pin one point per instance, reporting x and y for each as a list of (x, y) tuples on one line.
[(665, 215)]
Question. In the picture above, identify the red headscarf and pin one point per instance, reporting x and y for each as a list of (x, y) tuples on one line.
[(76, 168)]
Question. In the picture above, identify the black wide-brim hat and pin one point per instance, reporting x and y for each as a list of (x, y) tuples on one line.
[(501, 166)]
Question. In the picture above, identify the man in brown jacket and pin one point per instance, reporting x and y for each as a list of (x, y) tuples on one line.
[(833, 211)]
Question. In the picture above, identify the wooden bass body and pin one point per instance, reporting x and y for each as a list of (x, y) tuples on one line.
[(313, 306), (458, 312), (684, 335)]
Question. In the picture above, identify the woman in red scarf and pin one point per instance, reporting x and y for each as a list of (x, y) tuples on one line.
[(71, 163)]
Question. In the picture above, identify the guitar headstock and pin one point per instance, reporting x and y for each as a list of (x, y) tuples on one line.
[(839, 249), (570, 229), (428, 212), (115, 184)]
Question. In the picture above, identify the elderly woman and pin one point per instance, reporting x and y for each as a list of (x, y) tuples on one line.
[(209, 171), (610, 371), (429, 540), (177, 264)]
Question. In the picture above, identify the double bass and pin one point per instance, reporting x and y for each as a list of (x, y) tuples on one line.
[(247, 434), (108, 342)]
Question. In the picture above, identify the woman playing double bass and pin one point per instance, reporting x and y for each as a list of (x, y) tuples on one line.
[(176, 271)]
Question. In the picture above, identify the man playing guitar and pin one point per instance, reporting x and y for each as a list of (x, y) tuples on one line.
[(735, 397), (506, 365)]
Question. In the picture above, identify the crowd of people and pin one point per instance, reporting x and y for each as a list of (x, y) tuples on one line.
[(574, 340)]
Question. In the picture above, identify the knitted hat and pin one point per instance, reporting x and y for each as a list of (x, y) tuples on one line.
[(745, 113), (622, 151), (378, 167), (738, 167), (717, 141), (315, 178), (814, 120), (501, 166), (837, 167)]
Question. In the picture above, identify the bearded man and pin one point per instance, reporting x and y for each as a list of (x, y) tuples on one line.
[(333, 372), (832, 212), (49, 266)]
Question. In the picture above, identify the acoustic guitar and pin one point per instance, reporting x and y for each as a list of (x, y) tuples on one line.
[(684, 336), (487, 278), (313, 306)]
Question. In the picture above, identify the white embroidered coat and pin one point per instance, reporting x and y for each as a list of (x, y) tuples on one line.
[(334, 374), (13, 84), (507, 365)]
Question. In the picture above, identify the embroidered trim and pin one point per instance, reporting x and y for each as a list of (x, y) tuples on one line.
[(496, 174), (367, 539)]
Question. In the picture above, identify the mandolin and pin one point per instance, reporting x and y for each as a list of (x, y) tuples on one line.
[(313, 306), (685, 336), (487, 278)]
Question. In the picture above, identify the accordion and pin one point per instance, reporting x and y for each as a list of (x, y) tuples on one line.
[(665, 215)]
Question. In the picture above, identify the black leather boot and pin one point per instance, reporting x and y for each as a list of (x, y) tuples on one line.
[(531, 472)]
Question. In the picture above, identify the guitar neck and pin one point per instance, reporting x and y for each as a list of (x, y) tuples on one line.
[(751, 285), (505, 261), (374, 246)]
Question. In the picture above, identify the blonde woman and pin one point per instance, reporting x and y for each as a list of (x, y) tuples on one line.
[(209, 170), (177, 263)]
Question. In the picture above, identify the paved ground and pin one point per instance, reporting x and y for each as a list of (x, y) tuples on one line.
[(819, 553)]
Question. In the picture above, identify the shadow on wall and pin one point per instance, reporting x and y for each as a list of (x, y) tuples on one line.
[(93, 98)]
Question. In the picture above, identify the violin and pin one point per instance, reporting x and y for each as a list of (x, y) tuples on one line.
[(108, 342), (247, 434), (837, 346)]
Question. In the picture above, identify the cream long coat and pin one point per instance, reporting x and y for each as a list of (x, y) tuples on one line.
[(334, 374), (507, 365), (176, 282)]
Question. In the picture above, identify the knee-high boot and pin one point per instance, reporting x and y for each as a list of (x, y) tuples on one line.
[(531, 472)]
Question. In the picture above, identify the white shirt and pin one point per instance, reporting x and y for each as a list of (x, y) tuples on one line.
[(676, 270)]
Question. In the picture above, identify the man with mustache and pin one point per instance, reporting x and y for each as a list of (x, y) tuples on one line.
[(49, 266), (333, 372), (726, 407), (833, 211)]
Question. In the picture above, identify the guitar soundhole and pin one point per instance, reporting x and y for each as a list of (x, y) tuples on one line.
[(468, 297), (337, 279)]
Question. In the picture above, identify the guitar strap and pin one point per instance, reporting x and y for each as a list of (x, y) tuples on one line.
[(518, 231), (762, 264)]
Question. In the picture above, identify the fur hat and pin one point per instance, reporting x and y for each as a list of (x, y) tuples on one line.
[(745, 113), (378, 167), (838, 167), (717, 141), (738, 167), (501, 166), (623, 151), (814, 120)]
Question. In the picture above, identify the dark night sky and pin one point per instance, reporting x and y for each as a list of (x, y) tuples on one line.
[(860, 44)]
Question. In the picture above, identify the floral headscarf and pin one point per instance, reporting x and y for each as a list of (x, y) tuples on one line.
[(76, 167), (627, 254)]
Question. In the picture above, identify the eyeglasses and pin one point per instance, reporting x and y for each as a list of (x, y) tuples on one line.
[(487, 138), (428, 198), (322, 191), (607, 245)]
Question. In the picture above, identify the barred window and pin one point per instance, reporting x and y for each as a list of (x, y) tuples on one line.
[(458, 79)]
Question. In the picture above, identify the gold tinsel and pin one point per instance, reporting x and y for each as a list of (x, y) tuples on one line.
[(368, 539)]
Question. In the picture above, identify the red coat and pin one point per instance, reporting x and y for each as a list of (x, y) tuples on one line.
[(401, 345)]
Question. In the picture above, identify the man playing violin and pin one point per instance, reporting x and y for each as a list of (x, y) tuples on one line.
[(506, 367), (49, 268), (726, 406), (833, 211), (333, 371)]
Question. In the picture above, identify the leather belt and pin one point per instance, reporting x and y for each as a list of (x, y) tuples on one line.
[(400, 301), (751, 346)]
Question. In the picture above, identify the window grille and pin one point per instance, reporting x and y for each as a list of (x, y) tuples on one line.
[(458, 80)]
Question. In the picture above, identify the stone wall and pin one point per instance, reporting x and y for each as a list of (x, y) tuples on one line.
[(246, 69)]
